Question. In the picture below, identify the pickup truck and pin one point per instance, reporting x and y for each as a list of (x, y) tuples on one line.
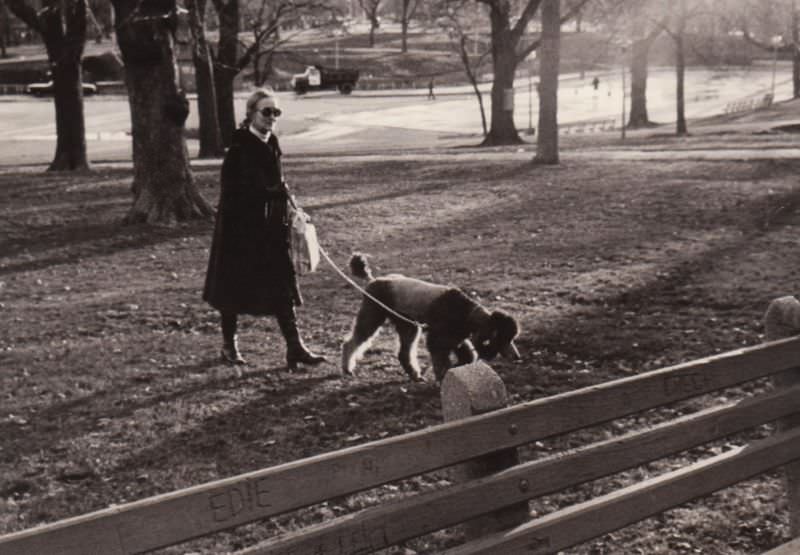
[(317, 78)]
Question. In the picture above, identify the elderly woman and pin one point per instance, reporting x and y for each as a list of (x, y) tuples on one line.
[(250, 268)]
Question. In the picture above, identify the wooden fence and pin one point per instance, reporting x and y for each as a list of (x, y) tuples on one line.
[(587, 126), (747, 104), (494, 488)]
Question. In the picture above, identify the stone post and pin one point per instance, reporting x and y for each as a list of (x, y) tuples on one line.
[(468, 391)]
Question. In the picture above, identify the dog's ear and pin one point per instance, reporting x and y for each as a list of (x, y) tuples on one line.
[(505, 326), (497, 336), (359, 266), (507, 329)]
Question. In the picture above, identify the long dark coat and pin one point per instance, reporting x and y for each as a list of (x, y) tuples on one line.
[(250, 269)]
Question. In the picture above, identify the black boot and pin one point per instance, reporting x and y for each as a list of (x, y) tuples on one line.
[(230, 348), (296, 351)]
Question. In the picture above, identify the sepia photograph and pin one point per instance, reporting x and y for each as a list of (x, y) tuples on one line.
[(399, 277)]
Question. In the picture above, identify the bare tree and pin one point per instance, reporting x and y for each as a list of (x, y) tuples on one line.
[(677, 30), (508, 51), (679, 35), (642, 23), (775, 28), (640, 50), (163, 187), (632, 25), (5, 29), (457, 22), (210, 137), (101, 19), (62, 25), (226, 65), (409, 9), (371, 10), (232, 55), (547, 143)]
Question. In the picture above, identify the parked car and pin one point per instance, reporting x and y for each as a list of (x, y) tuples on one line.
[(43, 89), (316, 78)]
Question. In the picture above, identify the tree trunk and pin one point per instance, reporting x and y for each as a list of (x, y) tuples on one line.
[(547, 143), (70, 126), (404, 35), (795, 52), (5, 31), (225, 68), (640, 51), (680, 71), (62, 26), (210, 137), (163, 188), (65, 46), (504, 63), (796, 74)]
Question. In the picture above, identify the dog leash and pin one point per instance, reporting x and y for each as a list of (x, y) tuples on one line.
[(349, 280)]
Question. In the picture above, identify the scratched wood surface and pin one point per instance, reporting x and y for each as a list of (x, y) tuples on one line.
[(386, 525), (178, 516), (584, 521)]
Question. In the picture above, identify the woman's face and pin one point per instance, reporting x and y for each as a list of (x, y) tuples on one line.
[(265, 115)]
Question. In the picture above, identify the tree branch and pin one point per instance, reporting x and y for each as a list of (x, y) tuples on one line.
[(26, 14)]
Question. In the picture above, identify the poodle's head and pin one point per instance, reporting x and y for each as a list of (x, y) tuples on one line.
[(496, 336)]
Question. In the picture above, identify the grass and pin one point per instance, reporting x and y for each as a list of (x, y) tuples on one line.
[(112, 390)]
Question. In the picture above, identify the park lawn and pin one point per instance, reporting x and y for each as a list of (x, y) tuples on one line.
[(111, 389)]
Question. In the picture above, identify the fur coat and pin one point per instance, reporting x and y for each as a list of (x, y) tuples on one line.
[(249, 269)]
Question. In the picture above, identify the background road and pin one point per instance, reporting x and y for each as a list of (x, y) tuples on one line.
[(369, 121)]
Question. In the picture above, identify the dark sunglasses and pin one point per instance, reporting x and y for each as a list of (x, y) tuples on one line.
[(267, 112)]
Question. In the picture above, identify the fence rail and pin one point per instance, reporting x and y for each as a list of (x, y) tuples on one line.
[(748, 104), (388, 525), (587, 126)]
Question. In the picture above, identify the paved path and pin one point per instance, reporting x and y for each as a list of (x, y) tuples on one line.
[(370, 121)]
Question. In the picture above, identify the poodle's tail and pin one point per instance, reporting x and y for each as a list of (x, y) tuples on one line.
[(359, 266)]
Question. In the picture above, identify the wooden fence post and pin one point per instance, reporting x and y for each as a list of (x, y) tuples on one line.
[(468, 391), (782, 320)]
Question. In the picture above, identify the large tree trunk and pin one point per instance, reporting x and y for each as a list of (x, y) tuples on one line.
[(225, 68), (163, 187), (62, 26), (70, 126), (502, 130), (680, 72), (795, 52), (372, 27), (408, 13), (547, 143), (796, 73), (65, 46), (640, 51), (5, 30), (210, 137)]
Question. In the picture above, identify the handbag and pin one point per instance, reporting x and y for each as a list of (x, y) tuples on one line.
[(303, 241)]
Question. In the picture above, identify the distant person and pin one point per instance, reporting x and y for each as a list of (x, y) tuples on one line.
[(596, 83), (250, 268), (431, 96)]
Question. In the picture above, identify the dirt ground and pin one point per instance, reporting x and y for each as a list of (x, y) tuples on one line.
[(111, 389)]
